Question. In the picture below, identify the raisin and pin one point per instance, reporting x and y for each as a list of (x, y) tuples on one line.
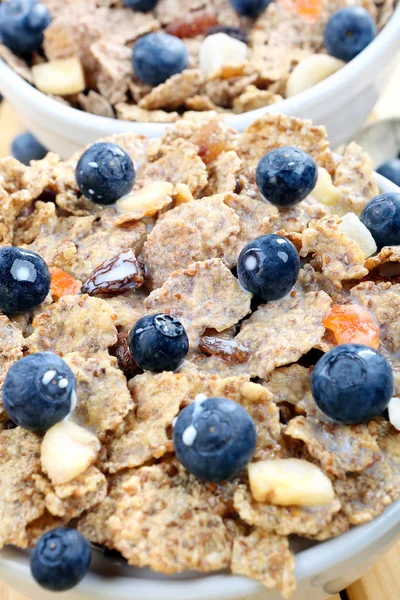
[(234, 32), (125, 361), (192, 25), (228, 350)]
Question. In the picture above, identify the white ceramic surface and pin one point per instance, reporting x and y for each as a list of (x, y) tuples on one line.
[(321, 570), (341, 102)]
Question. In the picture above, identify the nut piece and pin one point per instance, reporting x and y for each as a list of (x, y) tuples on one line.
[(310, 71), (324, 191), (354, 229), (148, 200), (290, 481), (59, 77), (67, 451), (116, 275), (394, 412), (220, 50)]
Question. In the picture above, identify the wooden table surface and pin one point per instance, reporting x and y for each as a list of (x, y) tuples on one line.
[(382, 582)]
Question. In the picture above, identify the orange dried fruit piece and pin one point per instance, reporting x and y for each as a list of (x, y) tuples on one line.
[(352, 324), (309, 10), (192, 25), (63, 284), (208, 139)]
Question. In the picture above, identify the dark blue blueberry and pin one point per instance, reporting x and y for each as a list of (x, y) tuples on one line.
[(22, 23), (391, 170), (158, 343), (25, 147), (382, 217), (24, 280), (285, 176), (352, 383), (268, 267), (105, 173), (140, 5), (234, 32), (158, 56), (214, 438), (39, 391), (348, 32), (250, 8), (60, 559)]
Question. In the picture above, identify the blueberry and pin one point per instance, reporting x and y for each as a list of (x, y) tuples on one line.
[(25, 147), (22, 23), (158, 343), (352, 383), (24, 280), (235, 32), (382, 217), (214, 438), (158, 56), (140, 5), (348, 32), (39, 391), (268, 267), (105, 173), (249, 8), (60, 559), (391, 170), (285, 176)]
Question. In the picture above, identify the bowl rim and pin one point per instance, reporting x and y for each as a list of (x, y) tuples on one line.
[(14, 564), (345, 78)]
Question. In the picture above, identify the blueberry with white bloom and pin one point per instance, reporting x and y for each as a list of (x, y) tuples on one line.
[(382, 217), (285, 176), (39, 391), (348, 32), (158, 343), (268, 267), (105, 173), (22, 23), (24, 280), (352, 383), (214, 438), (391, 170), (25, 147), (60, 559), (158, 56)]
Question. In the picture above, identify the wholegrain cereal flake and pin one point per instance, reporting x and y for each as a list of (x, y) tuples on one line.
[(195, 294)]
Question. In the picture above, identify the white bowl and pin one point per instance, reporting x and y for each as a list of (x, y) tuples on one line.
[(341, 103), (321, 570)]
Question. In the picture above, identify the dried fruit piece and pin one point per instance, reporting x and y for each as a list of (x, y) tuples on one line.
[(324, 191), (290, 482), (310, 71), (192, 25), (67, 451), (394, 412), (353, 324), (124, 357), (116, 275), (229, 350), (63, 284), (59, 77), (210, 142), (355, 229), (309, 10), (220, 50)]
